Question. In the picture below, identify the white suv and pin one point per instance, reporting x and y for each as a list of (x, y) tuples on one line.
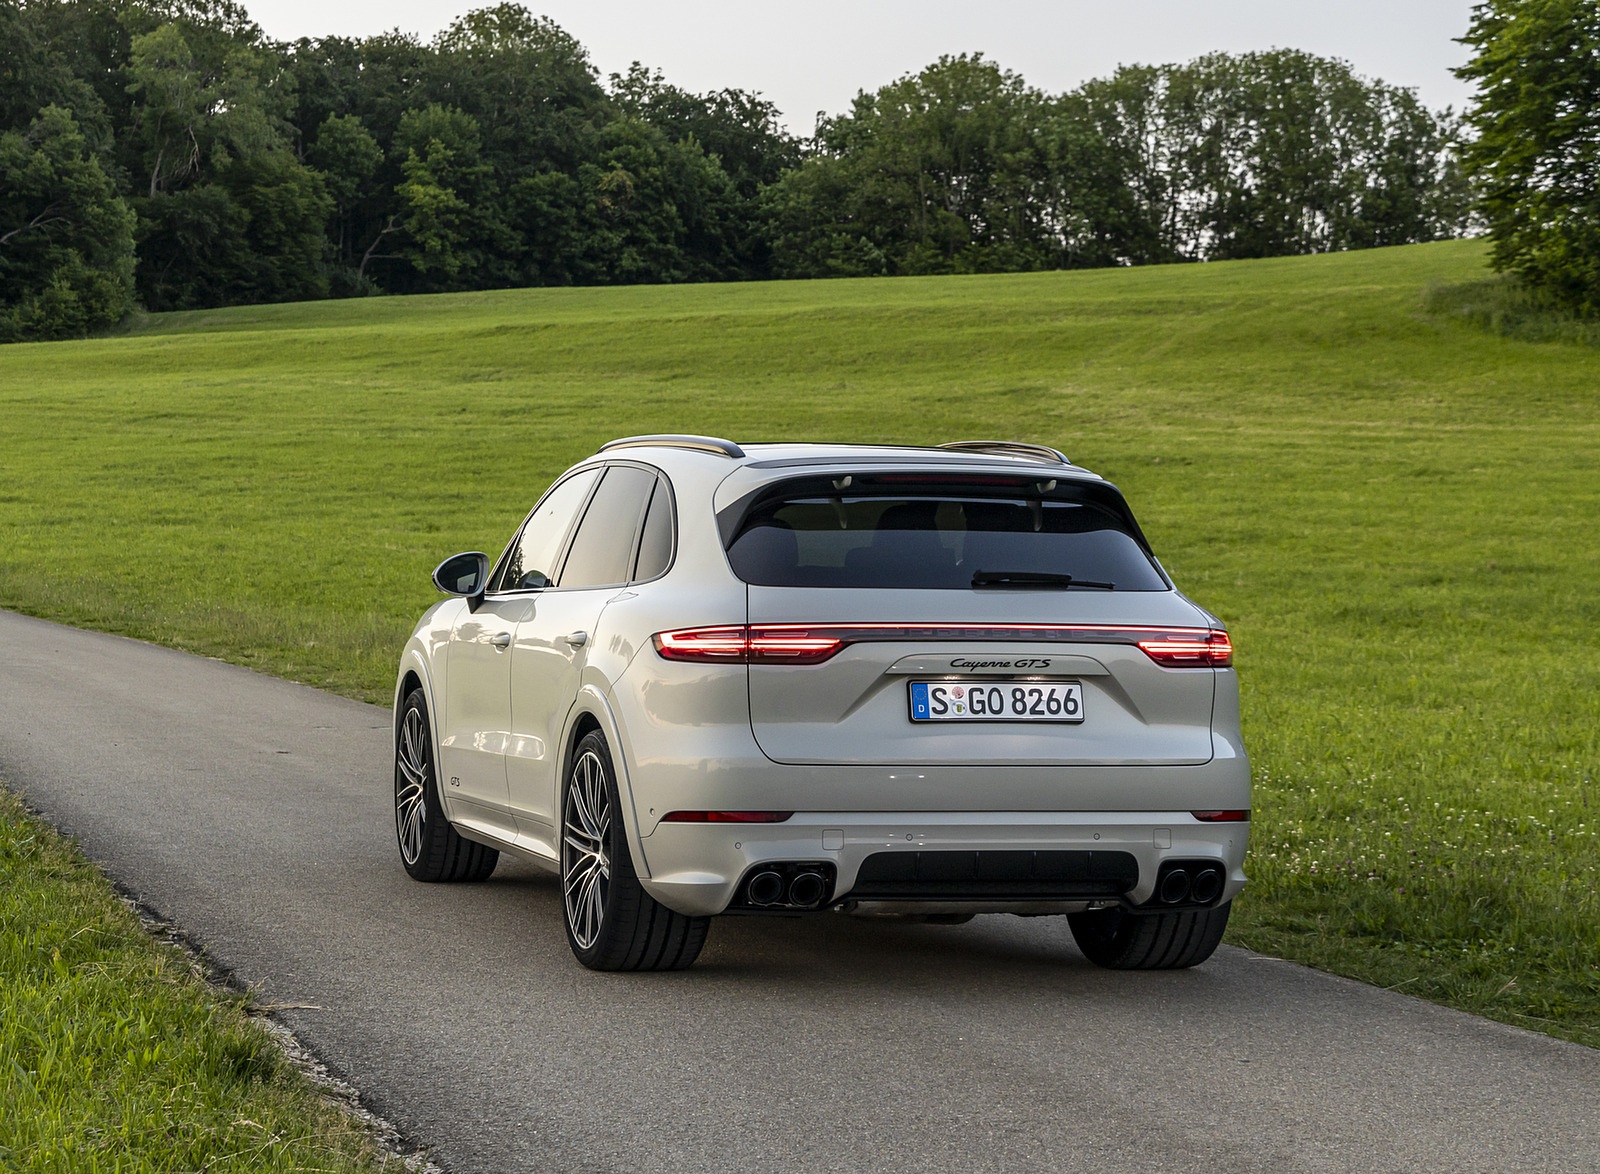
[(709, 678)]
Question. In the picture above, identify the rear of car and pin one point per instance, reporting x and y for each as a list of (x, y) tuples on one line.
[(954, 682)]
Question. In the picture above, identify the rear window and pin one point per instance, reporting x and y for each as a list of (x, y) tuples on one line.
[(944, 537)]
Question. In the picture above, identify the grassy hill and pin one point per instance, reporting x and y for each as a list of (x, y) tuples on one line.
[(1395, 513)]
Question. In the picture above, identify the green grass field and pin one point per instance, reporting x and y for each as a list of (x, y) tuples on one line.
[(117, 1055), (1395, 512)]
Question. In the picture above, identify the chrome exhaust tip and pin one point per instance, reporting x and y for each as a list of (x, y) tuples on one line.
[(1174, 887), (806, 890), (765, 888)]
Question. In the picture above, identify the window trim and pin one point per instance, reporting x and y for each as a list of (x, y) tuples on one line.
[(662, 483), (638, 529), (499, 591), (564, 548)]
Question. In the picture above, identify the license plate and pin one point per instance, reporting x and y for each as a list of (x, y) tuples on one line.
[(1002, 701)]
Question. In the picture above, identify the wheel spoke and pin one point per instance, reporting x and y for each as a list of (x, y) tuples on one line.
[(411, 814), (407, 762), (412, 778), (411, 834), (581, 872), (586, 869)]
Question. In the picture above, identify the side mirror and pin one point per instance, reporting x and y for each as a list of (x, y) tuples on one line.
[(463, 574)]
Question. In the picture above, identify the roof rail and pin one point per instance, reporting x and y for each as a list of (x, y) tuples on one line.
[(1011, 448), (711, 444)]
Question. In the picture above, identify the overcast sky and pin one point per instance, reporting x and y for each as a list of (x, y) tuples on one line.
[(817, 55)]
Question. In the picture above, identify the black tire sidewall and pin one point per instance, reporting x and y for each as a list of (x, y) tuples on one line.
[(1170, 940)]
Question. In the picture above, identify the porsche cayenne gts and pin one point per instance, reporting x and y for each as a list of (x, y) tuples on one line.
[(709, 678)]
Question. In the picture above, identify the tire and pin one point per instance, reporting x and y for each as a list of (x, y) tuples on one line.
[(430, 848), (1119, 940), (611, 922)]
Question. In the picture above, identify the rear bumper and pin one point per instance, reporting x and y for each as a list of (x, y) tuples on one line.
[(697, 868)]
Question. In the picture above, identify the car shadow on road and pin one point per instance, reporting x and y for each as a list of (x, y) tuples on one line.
[(993, 951)]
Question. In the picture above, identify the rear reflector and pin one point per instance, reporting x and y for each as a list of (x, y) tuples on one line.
[(1221, 816), (815, 643), (726, 816)]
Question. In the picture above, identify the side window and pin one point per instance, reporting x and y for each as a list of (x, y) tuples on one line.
[(534, 555), (655, 546), (602, 550)]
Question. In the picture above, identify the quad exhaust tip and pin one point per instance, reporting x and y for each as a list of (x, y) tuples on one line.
[(786, 885), (1174, 887), (1206, 886), (1189, 883), (806, 890), (765, 888)]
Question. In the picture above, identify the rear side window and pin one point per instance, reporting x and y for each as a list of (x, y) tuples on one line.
[(602, 550), (655, 545), (951, 539)]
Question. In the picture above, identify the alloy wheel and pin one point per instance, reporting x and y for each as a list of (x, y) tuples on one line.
[(585, 849), (412, 772)]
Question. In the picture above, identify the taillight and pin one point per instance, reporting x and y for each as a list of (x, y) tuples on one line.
[(815, 643), (725, 644), (789, 644), (1221, 816), (1214, 651), (726, 816)]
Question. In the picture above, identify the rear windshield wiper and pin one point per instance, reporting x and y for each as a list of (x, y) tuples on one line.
[(1033, 579)]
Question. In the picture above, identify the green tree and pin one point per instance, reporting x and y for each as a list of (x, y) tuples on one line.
[(66, 238), (529, 85), (818, 223), (960, 168), (1130, 113), (739, 133), (227, 213), (739, 129), (659, 210), (36, 71), (449, 202), (1267, 154), (1536, 157), (347, 158), (1087, 204), (1292, 153)]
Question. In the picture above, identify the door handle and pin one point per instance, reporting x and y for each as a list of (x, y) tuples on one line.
[(576, 639), (501, 640)]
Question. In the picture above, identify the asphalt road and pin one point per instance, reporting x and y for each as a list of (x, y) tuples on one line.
[(256, 814)]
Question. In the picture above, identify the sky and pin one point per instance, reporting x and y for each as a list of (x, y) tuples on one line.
[(817, 56)]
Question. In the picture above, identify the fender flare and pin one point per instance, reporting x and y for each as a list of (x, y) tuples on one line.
[(414, 660), (591, 702)]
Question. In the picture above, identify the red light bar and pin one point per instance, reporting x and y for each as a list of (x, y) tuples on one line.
[(748, 645), (1221, 816), (815, 643), (1213, 650), (726, 816), (726, 643)]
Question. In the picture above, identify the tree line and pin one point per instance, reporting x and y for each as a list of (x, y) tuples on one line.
[(1535, 153), (165, 153)]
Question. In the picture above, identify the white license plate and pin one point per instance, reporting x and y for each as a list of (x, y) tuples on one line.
[(999, 701)]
